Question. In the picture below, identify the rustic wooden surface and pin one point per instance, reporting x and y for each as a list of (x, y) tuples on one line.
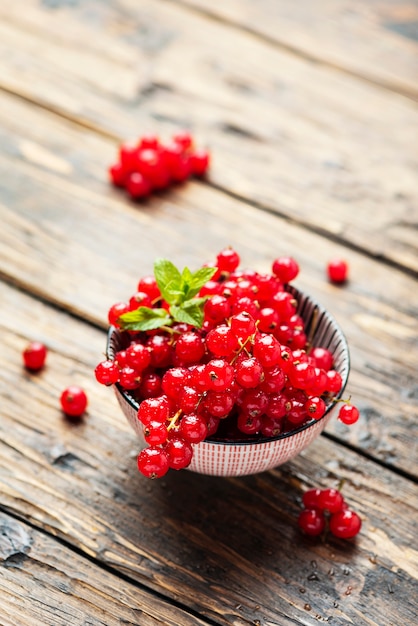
[(310, 112)]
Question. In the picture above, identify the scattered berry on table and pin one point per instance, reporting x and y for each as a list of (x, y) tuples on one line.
[(34, 356), (221, 353), (326, 508), (337, 270), (73, 401), (151, 165), (348, 414)]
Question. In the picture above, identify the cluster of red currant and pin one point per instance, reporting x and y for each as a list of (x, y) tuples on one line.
[(150, 165), (73, 399), (328, 505), (220, 353)]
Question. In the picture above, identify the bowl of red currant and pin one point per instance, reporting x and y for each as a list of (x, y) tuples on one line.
[(224, 371)]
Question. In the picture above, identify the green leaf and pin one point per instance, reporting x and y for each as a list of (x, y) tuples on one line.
[(191, 314), (145, 318), (198, 279), (169, 281)]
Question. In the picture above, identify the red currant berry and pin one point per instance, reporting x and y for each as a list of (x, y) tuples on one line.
[(348, 414), (140, 298), (129, 378), (127, 156), (149, 142), (199, 161), (337, 271), (322, 357), (118, 175), (153, 462), (334, 381), (249, 424), (148, 285), (219, 375), (219, 404), (150, 386), (179, 453), (107, 373), (311, 522), (242, 325), (138, 186), (184, 139), (193, 428), (249, 373), (227, 260), (34, 356), (155, 433), (345, 524), (154, 409), (267, 350), (116, 311), (310, 498), (73, 401), (330, 500), (217, 309), (221, 341), (315, 407), (190, 348), (138, 356), (286, 269), (174, 380)]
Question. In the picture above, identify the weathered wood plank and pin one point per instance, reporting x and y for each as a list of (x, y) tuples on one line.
[(44, 583), (226, 548), (306, 141), (68, 237), (376, 41)]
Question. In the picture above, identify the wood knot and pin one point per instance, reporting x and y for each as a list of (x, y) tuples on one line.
[(15, 541)]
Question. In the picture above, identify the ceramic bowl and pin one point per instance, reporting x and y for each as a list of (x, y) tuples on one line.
[(232, 458)]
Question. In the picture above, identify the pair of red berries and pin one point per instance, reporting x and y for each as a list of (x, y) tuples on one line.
[(73, 399), (150, 165), (328, 505)]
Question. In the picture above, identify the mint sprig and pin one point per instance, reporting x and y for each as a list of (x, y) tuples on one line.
[(178, 289)]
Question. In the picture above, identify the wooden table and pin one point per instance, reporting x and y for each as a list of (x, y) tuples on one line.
[(310, 112)]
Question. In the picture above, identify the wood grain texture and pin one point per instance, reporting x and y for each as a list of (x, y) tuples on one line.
[(305, 141), (44, 583), (228, 549), (50, 246), (376, 41)]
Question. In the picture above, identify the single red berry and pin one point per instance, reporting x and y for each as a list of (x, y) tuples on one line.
[(73, 401), (154, 409), (190, 347), (217, 308), (219, 404), (115, 311), (311, 522), (334, 381), (155, 433), (310, 498), (150, 386), (138, 186), (184, 139), (107, 372), (249, 373), (221, 341), (219, 375), (199, 161), (153, 462), (337, 270), (127, 156), (129, 378), (140, 298), (148, 285), (149, 142), (179, 453), (330, 500), (345, 524), (227, 260), (118, 175), (249, 424), (323, 358), (138, 356), (180, 169), (285, 268), (315, 407), (348, 414), (34, 356), (193, 428)]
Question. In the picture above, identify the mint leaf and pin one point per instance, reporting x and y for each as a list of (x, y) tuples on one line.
[(169, 281), (196, 281), (145, 318), (191, 314)]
